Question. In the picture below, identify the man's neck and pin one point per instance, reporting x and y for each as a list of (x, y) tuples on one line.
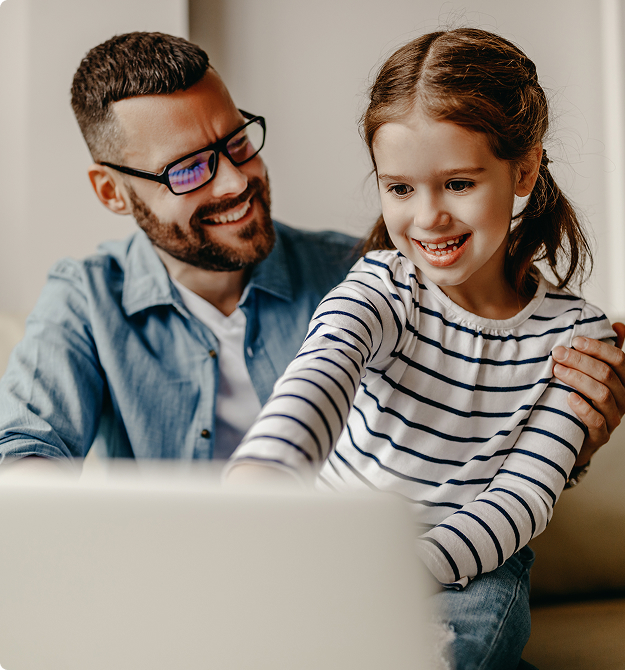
[(222, 289)]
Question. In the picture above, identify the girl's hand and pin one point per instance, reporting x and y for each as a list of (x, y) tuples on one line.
[(254, 476), (597, 370)]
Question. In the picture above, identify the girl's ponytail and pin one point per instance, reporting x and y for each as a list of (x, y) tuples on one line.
[(549, 231)]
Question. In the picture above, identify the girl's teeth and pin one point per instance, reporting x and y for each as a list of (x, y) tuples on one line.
[(441, 245)]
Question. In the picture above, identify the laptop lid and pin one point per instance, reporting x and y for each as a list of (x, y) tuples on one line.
[(168, 572)]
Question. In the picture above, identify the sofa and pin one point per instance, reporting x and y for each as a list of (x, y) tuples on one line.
[(578, 580)]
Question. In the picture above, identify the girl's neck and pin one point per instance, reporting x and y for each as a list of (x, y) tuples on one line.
[(497, 301)]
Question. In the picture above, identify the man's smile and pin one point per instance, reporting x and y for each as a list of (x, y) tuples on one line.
[(230, 216)]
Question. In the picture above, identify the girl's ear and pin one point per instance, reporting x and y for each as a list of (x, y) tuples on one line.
[(109, 189), (528, 171)]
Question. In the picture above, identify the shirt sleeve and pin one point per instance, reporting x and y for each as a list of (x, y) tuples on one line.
[(308, 408), (51, 394), (519, 502)]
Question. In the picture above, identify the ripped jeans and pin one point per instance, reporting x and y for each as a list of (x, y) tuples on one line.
[(490, 618)]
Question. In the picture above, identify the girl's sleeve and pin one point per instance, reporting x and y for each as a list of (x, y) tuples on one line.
[(301, 422), (518, 503)]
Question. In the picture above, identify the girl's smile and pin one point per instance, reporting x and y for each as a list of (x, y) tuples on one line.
[(447, 203)]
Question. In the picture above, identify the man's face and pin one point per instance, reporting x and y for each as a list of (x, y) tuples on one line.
[(223, 226)]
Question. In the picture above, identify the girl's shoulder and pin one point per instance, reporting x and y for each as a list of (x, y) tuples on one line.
[(562, 307), (387, 263)]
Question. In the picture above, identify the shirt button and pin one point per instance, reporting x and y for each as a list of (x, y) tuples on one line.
[(250, 352), (212, 353), (205, 433)]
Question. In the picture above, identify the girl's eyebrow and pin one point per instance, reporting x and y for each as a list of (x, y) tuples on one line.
[(441, 173)]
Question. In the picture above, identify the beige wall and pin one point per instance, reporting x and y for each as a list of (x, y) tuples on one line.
[(306, 66), (47, 209)]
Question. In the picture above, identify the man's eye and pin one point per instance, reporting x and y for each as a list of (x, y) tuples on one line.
[(400, 189), (459, 185)]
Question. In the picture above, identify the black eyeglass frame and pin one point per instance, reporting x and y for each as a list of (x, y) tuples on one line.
[(218, 147)]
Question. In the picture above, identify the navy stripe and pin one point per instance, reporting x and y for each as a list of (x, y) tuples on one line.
[(355, 472), (571, 417), (353, 317), (353, 347), (488, 336), (522, 502), (552, 436), (398, 323), (284, 440), (336, 383), (505, 514), (418, 454), (363, 303), (433, 431), (527, 478), (446, 554), (470, 387), (329, 397), (322, 416), (469, 544), (488, 529), (544, 459), (561, 296), (446, 408), (478, 361), (332, 362), (307, 428)]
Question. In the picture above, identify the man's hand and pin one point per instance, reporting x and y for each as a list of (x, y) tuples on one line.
[(597, 370)]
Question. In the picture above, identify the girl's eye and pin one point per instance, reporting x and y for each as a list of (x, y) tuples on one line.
[(400, 189), (459, 185)]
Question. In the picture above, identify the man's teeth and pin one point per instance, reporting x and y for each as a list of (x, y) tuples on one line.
[(232, 216), (442, 248)]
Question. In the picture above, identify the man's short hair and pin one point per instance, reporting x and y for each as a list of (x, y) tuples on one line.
[(124, 67)]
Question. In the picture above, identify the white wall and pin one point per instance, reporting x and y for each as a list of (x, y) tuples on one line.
[(306, 66), (47, 208)]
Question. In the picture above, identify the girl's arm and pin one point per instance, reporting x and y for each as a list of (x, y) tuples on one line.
[(300, 424), (518, 503)]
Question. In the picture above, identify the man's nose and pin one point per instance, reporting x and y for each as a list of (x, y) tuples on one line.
[(229, 180)]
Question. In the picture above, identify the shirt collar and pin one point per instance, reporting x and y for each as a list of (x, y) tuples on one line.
[(147, 284), (272, 275)]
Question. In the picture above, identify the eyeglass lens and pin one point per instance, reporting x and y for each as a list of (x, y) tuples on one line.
[(196, 170)]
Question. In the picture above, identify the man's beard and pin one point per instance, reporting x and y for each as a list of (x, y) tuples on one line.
[(196, 247)]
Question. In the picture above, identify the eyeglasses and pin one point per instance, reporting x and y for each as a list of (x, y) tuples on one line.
[(195, 170)]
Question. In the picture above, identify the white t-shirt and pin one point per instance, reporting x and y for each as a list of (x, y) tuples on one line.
[(237, 403)]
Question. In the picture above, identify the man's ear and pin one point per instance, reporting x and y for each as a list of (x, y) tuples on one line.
[(528, 171), (110, 189)]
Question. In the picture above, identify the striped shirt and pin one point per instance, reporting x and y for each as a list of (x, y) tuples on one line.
[(398, 389)]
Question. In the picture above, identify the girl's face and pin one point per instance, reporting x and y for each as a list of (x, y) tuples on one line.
[(447, 202)]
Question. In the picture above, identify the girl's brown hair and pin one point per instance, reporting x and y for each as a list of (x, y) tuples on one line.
[(484, 83)]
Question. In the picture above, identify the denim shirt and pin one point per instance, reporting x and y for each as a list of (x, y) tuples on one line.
[(111, 355)]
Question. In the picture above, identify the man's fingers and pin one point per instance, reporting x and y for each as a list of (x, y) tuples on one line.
[(591, 351), (607, 395), (607, 369), (619, 329), (598, 433)]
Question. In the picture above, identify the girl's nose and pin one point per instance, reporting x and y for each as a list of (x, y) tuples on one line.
[(429, 212)]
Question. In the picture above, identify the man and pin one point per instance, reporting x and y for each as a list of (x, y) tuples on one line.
[(167, 344)]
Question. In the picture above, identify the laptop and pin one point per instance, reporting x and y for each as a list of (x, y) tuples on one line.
[(165, 570)]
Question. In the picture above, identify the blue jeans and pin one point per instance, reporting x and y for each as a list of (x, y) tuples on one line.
[(491, 617)]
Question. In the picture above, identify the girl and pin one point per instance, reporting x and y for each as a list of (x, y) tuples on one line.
[(427, 373)]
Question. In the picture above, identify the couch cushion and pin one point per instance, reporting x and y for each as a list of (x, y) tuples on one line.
[(583, 549)]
